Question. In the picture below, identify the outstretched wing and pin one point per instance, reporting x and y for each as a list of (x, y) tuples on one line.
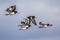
[(33, 21)]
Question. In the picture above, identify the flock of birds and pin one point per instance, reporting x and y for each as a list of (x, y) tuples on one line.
[(27, 23)]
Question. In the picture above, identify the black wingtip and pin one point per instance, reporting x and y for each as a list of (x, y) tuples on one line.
[(40, 22), (19, 25), (41, 27), (35, 24), (6, 14), (15, 12)]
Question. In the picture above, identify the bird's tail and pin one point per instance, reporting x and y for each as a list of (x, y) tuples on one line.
[(6, 14), (40, 23), (15, 12)]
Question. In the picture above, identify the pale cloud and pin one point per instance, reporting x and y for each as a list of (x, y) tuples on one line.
[(43, 7), (46, 10), (46, 38)]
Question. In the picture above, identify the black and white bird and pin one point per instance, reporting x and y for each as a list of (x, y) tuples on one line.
[(25, 24), (32, 19), (27, 21), (42, 25), (11, 10)]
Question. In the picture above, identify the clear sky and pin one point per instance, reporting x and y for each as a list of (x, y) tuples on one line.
[(46, 11)]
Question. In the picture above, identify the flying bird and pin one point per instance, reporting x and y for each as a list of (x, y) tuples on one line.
[(11, 10), (32, 19), (42, 25), (27, 21), (25, 24)]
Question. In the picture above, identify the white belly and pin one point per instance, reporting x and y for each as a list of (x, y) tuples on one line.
[(12, 13), (23, 28), (26, 26), (10, 8), (45, 25)]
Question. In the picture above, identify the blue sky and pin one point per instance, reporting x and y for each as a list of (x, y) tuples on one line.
[(46, 11)]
